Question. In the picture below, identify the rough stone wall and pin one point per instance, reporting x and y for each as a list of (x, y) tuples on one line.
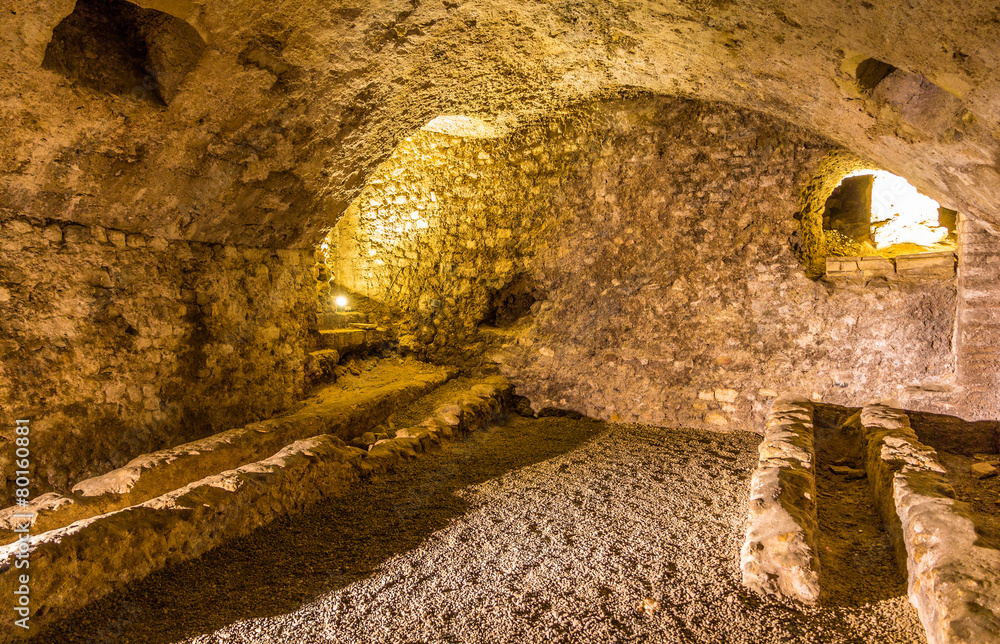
[(447, 222), (661, 233), (115, 344)]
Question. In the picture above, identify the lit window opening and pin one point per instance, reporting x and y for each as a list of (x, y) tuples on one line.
[(873, 212)]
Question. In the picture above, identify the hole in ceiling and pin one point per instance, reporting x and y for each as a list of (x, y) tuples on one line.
[(117, 47), (871, 72)]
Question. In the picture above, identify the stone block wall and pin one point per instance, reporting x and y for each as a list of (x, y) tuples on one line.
[(115, 344), (978, 324), (446, 223), (923, 266), (659, 234)]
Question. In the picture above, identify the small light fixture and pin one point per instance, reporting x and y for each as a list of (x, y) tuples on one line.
[(341, 302)]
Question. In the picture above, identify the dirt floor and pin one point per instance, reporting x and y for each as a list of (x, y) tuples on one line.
[(857, 561), (980, 496), (545, 529)]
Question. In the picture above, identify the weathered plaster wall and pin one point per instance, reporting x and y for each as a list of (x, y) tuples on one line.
[(661, 233), (115, 344)]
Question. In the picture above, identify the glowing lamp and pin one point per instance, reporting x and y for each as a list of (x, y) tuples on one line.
[(341, 301)]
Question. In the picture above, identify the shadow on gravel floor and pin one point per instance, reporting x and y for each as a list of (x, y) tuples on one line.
[(281, 566)]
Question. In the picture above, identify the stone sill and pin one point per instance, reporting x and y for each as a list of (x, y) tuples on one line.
[(922, 266)]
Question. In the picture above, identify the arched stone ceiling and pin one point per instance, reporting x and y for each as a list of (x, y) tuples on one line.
[(294, 103)]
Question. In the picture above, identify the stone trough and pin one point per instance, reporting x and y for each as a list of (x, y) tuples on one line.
[(779, 554), (953, 580), (150, 475), (73, 565)]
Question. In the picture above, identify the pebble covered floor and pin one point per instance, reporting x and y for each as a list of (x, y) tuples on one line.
[(543, 530)]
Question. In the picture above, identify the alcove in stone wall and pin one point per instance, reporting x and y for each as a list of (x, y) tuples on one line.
[(858, 221)]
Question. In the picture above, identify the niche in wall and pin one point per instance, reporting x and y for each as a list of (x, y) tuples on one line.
[(117, 47), (861, 223), (878, 213), (512, 302), (857, 220), (870, 72)]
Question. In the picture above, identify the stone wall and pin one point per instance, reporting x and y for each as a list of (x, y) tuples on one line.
[(114, 344), (448, 222), (978, 327), (658, 235)]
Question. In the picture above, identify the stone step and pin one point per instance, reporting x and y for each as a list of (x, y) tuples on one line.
[(344, 410), (103, 553), (339, 320)]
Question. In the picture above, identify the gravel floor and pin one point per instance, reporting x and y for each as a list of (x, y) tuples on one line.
[(547, 530)]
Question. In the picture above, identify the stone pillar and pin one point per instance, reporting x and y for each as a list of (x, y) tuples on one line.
[(977, 330)]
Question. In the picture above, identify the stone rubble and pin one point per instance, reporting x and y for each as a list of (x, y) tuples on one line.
[(984, 470)]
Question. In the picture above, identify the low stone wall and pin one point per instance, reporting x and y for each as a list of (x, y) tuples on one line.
[(102, 553), (779, 555), (150, 475), (953, 583)]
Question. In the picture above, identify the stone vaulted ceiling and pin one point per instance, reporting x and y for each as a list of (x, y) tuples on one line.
[(293, 103)]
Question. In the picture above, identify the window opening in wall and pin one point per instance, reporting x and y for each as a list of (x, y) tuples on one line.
[(879, 213)]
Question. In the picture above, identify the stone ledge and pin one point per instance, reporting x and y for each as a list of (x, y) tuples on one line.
[(339, 320), (921, 266), (779, 554), (102, 553), (953, 583), (351, 340)]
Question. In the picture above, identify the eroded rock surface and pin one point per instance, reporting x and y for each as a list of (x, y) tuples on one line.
[(291, 106), (779, 554)]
